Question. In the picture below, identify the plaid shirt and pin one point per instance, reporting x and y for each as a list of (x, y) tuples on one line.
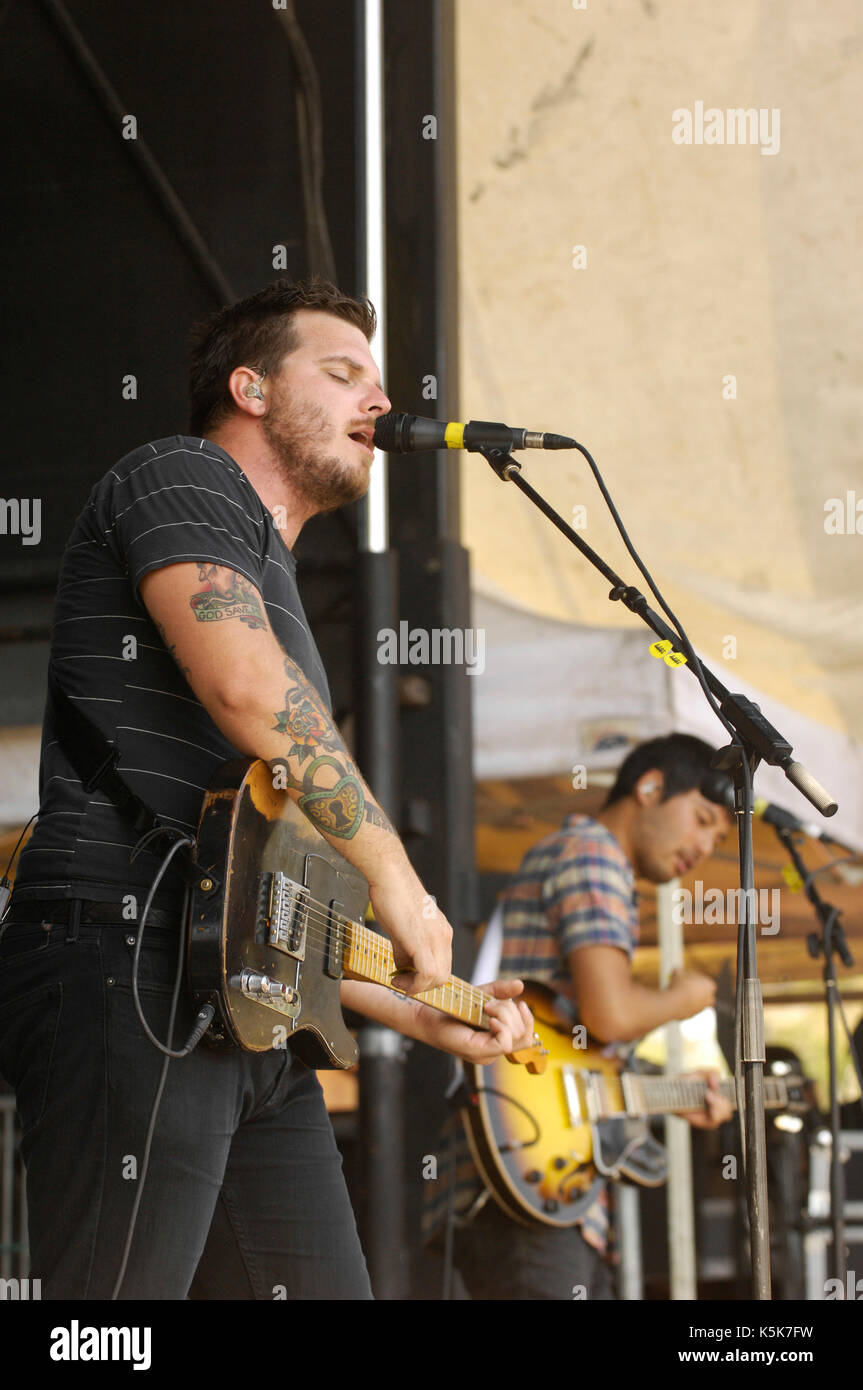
[(575, 888)]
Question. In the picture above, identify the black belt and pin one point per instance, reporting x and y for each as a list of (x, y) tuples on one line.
[(91, 912)]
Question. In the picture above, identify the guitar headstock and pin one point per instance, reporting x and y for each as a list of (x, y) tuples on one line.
[(535, 1058)]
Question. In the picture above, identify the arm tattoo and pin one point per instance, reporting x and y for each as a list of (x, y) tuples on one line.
[(333, 797), (226, 594)]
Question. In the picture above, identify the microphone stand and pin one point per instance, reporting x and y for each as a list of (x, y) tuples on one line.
[(832, 937), (757, 740)]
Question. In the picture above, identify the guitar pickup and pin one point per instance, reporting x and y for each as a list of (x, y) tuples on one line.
[(593, 1095), (571, 1096), (286, 914), (334, 950)]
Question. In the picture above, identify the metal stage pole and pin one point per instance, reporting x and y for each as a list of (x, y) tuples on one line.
[(683, 1271), (382, 1052), (436, 775)]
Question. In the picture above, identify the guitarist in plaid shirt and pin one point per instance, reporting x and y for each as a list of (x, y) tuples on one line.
[(570, 921)]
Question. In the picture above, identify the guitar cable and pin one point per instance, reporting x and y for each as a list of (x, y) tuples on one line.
[(6, 888), (203, 1019), (207, 1012), (502, 1095)]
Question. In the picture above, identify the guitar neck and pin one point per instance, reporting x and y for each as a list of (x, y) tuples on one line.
[(369, 956), (668, 1095)]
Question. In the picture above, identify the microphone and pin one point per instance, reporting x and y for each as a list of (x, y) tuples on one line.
[(716, 787), (411, 434)]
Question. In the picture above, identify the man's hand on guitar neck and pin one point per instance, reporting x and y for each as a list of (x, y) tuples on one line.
[(717, 1110)]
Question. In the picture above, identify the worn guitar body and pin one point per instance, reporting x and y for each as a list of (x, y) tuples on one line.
[(250, 832), (276, 921)]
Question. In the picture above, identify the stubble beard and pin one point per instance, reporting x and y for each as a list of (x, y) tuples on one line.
[(324, 480)]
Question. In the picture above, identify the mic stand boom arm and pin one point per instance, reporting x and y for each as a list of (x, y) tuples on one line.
[(765, 741), (757, 740)]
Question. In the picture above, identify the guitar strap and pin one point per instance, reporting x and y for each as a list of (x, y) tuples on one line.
[(95, 760)]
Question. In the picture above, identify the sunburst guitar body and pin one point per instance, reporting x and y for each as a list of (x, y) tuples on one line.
[(545, 1145)]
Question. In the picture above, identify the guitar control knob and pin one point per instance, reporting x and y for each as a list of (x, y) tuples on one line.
[(550, 1205), (533, 1175), (558, 1163)]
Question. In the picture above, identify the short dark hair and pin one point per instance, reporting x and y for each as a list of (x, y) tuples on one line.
[(257, 332), (683, 760)]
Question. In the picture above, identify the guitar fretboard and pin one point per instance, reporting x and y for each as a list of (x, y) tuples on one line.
[(369, 956), (661, 1095)]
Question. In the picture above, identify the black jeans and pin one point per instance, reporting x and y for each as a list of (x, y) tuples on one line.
[(244, 1197), (500, 1259)]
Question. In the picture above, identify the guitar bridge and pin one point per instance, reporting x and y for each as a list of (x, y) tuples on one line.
[(285, 912)]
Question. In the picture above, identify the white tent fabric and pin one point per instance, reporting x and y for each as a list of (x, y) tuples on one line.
[(557, 697), (691, 312)]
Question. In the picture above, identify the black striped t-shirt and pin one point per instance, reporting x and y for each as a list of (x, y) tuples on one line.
[(170, 502)]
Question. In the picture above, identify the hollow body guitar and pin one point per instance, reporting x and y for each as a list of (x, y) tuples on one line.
[(276, 921), (545, 1148)]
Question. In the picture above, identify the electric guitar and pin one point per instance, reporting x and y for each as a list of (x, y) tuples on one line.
[(545, 1148), (276, 922)]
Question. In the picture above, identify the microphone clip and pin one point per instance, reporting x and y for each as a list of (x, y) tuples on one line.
[(504, 465)]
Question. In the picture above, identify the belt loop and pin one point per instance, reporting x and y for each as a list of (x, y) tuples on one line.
[(75, 906)]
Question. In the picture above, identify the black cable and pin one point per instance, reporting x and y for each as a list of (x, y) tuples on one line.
[(151, 1127), (203, 1019), (686, 645), (5, 885), (852, 858), (746, 778), (502, 1095), (133, 1219), (11, 859), (206, 1013)]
